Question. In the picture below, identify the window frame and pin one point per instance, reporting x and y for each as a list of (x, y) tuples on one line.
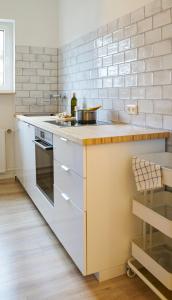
[(9, 56)]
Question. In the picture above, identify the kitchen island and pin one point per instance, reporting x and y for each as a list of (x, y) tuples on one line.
[(93, 186)]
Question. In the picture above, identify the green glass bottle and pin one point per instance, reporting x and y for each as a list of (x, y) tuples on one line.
[(73, 105)]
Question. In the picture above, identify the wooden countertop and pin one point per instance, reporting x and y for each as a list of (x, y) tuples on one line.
[(94, 135)]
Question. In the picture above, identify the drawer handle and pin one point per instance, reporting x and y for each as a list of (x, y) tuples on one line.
[(66, 169), (65, 197), (63, 139)]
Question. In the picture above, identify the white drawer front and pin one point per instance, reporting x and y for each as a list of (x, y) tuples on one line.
[(70, 154), (69, 227), (69, 183), (43, 205)]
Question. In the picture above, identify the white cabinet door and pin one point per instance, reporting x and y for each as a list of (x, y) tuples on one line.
[(25, 155), (69, 226), (19, 150), (29, 159)]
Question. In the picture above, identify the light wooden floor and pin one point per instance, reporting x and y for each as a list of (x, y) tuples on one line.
[(34, 266)]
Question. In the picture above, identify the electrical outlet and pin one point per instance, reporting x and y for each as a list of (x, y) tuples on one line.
[(132, 109)]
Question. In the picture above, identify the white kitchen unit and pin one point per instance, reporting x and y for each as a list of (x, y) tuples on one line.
[(19, 149), (70, 198), (93, 189), (25, 155), (93, 217), (26, 167)]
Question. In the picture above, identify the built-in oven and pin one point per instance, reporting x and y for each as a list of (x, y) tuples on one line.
[(44, 163)]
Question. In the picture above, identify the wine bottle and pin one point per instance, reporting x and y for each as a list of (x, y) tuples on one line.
[(73, 105)]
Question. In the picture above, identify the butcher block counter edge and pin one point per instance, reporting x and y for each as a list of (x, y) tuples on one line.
[(95, 135)]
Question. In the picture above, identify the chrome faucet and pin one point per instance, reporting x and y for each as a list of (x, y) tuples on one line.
[(54, 96)]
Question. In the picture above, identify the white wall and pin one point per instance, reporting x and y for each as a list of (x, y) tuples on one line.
[(36, 25), (36, 21), (78, 17)]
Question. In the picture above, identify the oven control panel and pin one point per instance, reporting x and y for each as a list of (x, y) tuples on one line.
[(44, 135)]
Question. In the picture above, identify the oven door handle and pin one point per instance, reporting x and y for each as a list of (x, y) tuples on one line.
[(48, 147)]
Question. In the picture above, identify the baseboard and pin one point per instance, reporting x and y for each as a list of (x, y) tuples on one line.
[(111, 273), (9, 174)]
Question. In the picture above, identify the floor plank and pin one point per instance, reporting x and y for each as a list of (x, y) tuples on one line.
[(34, 265)]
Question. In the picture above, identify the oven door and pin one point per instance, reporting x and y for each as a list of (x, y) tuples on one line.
[(44, 168)]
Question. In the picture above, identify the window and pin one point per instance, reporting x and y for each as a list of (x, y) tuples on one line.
[(1, 57), (7, 56)]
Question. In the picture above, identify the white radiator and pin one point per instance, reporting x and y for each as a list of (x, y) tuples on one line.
[(2, 151)]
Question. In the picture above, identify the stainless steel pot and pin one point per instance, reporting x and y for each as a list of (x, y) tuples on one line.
[(85, 116)]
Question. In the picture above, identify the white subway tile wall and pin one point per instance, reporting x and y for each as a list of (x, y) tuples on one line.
[(126, 61), (36, 79)]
